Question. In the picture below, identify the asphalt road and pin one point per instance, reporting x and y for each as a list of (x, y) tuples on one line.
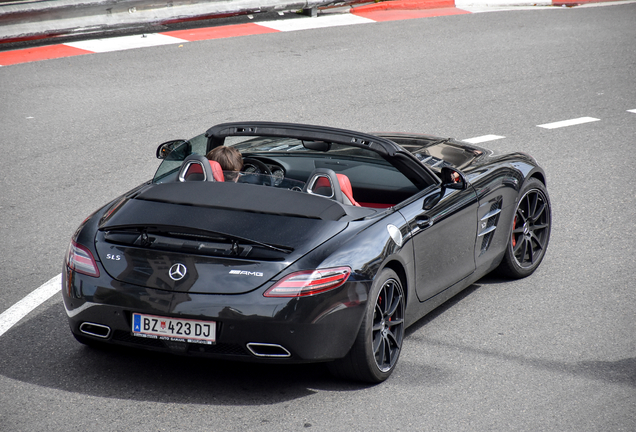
[(555, 351)]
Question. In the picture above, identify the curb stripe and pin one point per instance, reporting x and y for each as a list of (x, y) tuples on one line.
[(405, 5), (399, 15), (220, 32), (315, 23), (15, 313), (125, 42), (39, 53)]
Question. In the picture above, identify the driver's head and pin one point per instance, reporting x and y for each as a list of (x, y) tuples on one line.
[(229, 158)]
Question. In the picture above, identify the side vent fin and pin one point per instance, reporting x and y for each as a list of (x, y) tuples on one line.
[(488, 224)]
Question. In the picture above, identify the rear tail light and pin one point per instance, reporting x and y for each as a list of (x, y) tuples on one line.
[(81, 260), (310, 282)]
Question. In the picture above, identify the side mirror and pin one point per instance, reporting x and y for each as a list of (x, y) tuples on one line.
[(166, 148), (451, 179)]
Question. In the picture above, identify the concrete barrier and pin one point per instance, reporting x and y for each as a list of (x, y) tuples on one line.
[(38, 19), (22, 20)]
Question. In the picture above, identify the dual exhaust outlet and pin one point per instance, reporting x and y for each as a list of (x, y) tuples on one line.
[(257, 349), (93, 329), (268, 350)]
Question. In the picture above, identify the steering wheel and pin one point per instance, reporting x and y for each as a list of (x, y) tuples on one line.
[(260, 166)]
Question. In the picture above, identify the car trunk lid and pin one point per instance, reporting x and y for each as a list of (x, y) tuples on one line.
[(190, 248)]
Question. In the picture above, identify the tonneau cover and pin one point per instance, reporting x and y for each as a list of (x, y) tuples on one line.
[(245, 197)]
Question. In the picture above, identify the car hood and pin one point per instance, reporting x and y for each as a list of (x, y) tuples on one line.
[(175, 245)]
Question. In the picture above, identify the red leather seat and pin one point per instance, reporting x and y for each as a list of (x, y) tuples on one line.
[(345, 187), (217, 171), (195, 172), (325, 182)]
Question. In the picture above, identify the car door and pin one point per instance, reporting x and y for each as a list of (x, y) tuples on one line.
[(443, 238)]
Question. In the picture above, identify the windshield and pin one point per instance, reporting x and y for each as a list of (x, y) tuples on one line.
[(169, 168), (288, 163), (247, 145)]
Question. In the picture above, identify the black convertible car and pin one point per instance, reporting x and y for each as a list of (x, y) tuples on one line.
[(323, 248)]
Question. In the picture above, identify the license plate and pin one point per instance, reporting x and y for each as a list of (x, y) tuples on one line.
[(174, 329)]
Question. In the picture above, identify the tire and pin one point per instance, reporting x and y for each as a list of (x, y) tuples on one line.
[(529, 233), (377, 347)]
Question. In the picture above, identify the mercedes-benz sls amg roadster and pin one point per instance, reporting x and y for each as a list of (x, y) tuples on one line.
[(324, 247)]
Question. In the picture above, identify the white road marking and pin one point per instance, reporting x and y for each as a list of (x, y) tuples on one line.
[(632, 111), (572, 122), (313, 23), (484, 138), (125, 42), (22, 308)]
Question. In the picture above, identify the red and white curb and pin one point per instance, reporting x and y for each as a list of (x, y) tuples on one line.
[(368, 14), (191, 35)]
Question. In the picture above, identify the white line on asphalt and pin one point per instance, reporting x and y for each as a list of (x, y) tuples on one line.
[(632, 111), (313, 23), (484, 138), (125, 42), (22, 308), (565, 123)]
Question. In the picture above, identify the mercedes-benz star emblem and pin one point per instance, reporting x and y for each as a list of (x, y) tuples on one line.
[(177, 272)]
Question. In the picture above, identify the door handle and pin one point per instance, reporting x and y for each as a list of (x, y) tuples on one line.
[(423, 221)]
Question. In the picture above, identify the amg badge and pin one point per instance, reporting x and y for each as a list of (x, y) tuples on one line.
[(246, 273)]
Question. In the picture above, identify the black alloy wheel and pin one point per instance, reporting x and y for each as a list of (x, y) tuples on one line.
[(388, 325), (530, 232), (375, 352)]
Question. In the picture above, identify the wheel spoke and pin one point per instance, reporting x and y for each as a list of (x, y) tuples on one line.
[(533, 200), (377, 341), (521, 216), (380, 353), (537, 214), (388, 298), (530, 252), (394, 306), (393, 340), (521, 250), (394, 322), (537, 241), (377, 318)]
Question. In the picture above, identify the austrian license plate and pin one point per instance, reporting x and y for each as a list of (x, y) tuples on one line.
[(174, 329)]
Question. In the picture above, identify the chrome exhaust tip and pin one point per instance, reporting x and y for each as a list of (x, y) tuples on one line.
[(97, 330), (268, 350)]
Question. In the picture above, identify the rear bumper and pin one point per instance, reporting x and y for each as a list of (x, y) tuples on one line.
[(249, 327)]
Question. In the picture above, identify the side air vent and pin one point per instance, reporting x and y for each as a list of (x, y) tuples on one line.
[(488, 224)]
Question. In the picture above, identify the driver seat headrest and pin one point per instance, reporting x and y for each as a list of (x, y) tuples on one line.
[(198, 168)]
